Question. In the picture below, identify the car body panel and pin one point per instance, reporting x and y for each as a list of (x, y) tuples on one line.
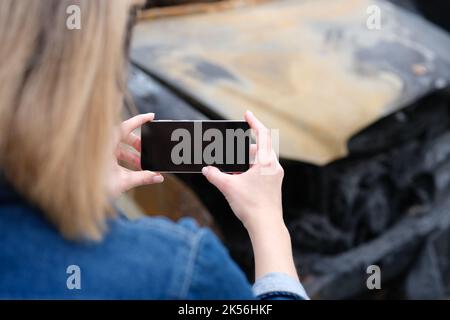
[(312, 69)]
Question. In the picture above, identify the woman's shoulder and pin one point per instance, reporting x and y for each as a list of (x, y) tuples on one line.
[(185, 229)]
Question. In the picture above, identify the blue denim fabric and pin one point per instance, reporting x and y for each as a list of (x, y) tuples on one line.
[(150, 258), (279, 286)]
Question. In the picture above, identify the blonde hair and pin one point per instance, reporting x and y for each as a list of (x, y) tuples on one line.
[(61, 92)]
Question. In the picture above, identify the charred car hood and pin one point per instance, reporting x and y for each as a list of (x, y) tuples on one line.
[(312, 69)]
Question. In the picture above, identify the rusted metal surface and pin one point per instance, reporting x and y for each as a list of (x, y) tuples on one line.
[(309, 68)]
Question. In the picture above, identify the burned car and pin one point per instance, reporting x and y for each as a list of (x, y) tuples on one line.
[(364, 124)]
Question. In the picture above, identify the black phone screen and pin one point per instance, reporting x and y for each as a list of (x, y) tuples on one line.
[(188, 146)]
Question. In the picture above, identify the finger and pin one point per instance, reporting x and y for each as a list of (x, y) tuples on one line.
[(129, 157), (134, 179), (263, 139), (133, 140), (254, 123), (133, 123), (217, 178)]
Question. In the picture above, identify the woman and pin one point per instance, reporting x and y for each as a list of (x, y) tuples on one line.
[(61, 94)]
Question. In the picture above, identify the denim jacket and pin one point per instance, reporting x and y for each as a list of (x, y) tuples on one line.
[(148, 258)]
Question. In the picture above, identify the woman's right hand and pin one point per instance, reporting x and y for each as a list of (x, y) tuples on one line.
[(255, 198), (255, 195)]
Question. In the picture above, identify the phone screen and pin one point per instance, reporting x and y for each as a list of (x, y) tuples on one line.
[(188, 146)]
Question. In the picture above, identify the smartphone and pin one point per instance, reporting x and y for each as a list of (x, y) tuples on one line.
[(188, 146)]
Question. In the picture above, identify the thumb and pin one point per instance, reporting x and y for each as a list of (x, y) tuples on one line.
[(134, 179), (216, 177)]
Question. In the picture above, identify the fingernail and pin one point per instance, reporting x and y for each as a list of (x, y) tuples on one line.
[(205, 171), (158, 179)]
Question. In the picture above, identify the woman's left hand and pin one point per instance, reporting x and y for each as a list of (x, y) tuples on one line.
[(123, 179)]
